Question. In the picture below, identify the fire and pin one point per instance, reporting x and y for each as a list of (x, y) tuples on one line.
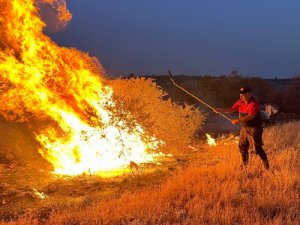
[(211, 141), (39, 80)]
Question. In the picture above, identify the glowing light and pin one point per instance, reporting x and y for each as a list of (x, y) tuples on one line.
[(211, 141)]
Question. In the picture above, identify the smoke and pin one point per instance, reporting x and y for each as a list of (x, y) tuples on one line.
[(54, 13)]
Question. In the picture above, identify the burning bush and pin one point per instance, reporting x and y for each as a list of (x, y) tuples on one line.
[(174, 124), (89, 129)]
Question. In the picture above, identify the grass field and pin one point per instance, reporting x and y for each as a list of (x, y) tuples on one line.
[(209, 188)]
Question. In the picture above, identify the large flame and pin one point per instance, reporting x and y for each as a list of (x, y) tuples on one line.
[(40, 80)]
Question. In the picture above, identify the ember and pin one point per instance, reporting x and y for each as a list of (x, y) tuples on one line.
[(211, 141), (43, 81)]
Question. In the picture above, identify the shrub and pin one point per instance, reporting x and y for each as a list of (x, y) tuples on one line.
[(167, 121)]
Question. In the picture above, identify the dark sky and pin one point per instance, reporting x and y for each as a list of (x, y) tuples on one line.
[(192, 37)]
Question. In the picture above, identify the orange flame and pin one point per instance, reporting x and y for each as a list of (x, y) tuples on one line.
[(40, 80)]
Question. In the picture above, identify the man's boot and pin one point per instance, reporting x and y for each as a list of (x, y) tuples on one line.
[(245, 159), (266, 164)]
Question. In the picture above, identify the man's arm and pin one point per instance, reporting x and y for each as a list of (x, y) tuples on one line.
[(234, 108)]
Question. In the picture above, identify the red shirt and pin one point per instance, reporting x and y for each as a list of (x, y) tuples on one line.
[(252, 107)]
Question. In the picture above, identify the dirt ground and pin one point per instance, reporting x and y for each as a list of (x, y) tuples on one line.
[(30, 187)]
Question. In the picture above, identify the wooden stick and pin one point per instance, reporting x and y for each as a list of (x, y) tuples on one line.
[(195, 97)]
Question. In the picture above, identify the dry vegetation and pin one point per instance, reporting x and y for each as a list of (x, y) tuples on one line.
[(211, 189), (174, 124), (289, 99)]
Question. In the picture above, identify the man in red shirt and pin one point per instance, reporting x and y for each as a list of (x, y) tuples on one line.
[(250, 119)]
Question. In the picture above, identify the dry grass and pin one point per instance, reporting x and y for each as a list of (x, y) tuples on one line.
[(212, 189)]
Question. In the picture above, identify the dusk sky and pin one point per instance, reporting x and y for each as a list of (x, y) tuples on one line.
[(192, 37)]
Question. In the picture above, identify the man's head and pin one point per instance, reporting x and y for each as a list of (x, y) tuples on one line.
[(245, 93)]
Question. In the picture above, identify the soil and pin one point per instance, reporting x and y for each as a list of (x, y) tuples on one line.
[(30, 187)]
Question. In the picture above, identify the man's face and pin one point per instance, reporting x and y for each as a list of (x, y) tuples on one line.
[(245, 97)]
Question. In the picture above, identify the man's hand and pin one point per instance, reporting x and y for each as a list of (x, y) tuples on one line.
[(236, 121)]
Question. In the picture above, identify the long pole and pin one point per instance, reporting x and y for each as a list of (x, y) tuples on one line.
[(195, 97)]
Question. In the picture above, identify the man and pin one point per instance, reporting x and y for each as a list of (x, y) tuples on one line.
[(250, 119)]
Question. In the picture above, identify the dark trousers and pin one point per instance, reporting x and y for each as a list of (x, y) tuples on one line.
[(251, 137)]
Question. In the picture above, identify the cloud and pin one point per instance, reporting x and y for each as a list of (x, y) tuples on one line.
[(55, 14)]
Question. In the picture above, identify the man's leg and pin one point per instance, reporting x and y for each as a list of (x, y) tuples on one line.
[(244, 146), (257, 138), (260, 151)]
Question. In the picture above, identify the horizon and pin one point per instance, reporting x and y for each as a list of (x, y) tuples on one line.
[(209, 75)]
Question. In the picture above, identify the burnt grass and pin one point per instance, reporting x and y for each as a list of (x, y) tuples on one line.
[(30, 188)]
